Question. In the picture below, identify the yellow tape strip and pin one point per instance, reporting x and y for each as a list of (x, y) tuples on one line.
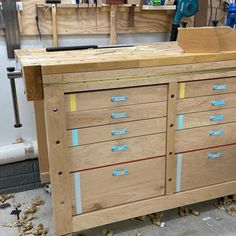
[(182, 90), (72, 102)]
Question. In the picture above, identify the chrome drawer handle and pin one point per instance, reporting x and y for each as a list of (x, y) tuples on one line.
[(217, 118), (215, 155), (216, 133), (119, 131), (218, 103), (117, 148), (220, 87), (120, 172), (119, 99), (119, 115)]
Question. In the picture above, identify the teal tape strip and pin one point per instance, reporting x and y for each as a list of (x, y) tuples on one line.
[(180, 122), (179, 172), (78, 193), (75, 137)]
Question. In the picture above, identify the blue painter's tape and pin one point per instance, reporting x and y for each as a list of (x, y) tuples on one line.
[(180, 122), (78, 193), (179, 172), (75, 137)]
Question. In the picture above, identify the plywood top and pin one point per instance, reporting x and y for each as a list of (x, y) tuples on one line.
[(139, 56)]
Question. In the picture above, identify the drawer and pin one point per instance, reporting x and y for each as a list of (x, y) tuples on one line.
[(207, 167), (104, 133), (207, 103), (206, 87), (199, 119), (114, 152), (205, 137), (105, 187), (82, 119), (115, 97)]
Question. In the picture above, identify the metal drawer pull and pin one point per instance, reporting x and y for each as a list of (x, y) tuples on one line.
[(119, 99), (119, 115), (220, 87), (119, 131), (217, 118), (216, 133), (215, 155), (218, 103), (120, 172), (117, 148)]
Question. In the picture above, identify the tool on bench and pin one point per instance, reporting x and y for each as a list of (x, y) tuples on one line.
[(184, 8), (55, 49)]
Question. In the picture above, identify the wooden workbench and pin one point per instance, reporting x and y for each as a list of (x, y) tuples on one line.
[(132, 131)]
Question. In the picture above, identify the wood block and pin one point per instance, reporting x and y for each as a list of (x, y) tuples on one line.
[(207, 39)]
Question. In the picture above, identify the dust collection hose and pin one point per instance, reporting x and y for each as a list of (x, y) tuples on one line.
[(12, 75)]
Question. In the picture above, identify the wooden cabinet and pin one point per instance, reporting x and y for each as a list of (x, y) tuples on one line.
[(132, 131)]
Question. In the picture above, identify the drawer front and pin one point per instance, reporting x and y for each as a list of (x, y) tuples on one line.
[(205, 137), (207, 103), (114, 152), (206, 87), (203, 168), (82, 119), (199, 119), (115, 97), (110, 186), (98, 134)]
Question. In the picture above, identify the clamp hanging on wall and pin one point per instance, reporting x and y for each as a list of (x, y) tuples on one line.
[(54, 20), (12, 75)]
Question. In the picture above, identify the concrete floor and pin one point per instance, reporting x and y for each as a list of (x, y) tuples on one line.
[(175, 225)]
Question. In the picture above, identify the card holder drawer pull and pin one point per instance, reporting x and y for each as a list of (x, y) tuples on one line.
[(119, 131), (119, 115), (119, 99), (220, 87), (217, 118), (120, 172), (214, 155), (117, 148), (216, 132), (218, 103)]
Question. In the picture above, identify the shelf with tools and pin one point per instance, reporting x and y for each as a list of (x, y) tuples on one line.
[(97, 10), (106, 7), (73, 19)]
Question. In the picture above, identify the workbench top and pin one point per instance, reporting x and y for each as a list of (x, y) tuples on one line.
[(138, 60), (138, 56)]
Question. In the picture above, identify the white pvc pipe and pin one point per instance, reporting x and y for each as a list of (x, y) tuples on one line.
[(18, 152)]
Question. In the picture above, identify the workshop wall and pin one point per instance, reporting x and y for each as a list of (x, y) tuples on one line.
[(9, 134)]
